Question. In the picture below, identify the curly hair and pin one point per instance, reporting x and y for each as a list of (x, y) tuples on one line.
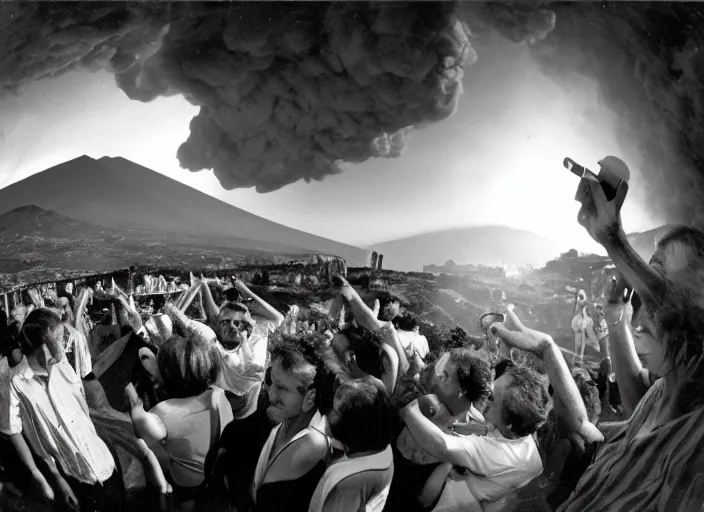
[(406, 321), (473, 373), (526, 401), (309, 357)]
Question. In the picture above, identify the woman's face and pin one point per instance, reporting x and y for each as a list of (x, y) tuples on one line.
[(650, 351)]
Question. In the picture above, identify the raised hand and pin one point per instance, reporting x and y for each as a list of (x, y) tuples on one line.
[(516, 335), (340, 282), (600, 217)]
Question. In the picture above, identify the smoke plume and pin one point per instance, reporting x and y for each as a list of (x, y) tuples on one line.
[(286, 91)]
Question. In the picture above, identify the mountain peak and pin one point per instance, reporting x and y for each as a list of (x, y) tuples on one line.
[(119, 194)]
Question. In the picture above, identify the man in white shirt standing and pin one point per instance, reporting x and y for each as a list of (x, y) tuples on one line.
[(244, 346), (47, 406)]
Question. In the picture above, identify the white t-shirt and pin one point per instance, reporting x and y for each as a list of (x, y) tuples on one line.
[(497, 467), (245, 365), (412, 341)]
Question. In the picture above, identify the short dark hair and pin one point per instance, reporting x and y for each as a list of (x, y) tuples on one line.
[(235, 307), (189, 367), (385, 298), (35, 329), (406, 321), (502, 366), (366, 345), (310, 350), (526, 401), (366, 417), (473, 373)]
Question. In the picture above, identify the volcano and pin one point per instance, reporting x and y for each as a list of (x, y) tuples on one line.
[(118, 194)]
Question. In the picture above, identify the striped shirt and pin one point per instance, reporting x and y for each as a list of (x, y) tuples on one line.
[(659, 470)]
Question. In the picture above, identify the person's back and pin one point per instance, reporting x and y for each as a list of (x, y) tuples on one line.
[(361, 421), (192, 425)]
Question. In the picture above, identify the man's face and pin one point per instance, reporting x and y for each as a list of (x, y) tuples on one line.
[(391, 310), (285, 395), (335, 415), (233, 328), (340, 346), (443, 380), (492, 413), (55, 342)]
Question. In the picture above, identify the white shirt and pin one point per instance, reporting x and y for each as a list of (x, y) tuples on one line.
[(497, 467), (411, 341), (50, 410), (245, 365)]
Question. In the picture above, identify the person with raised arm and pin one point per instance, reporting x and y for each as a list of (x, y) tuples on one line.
[(396, 362), (653, 460), (244, 344)]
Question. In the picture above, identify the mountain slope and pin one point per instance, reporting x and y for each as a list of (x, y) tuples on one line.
[(485, 245), (40, 245), (119, 194)]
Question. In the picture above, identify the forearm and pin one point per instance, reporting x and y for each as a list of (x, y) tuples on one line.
[(626, 365), (649, 284), (211, 309), (267, 310), (24, 453), (361, 312), (80, 307), (568, 401), (427, 435)]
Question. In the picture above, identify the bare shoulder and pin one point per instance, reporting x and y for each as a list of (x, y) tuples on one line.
[(316, 442)]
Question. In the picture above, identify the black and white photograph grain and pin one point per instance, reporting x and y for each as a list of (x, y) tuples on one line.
[(351, 256)]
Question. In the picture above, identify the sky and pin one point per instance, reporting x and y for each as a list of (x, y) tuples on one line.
[(497, 161)]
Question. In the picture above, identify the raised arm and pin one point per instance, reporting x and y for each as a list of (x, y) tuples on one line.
[(462, 451), (602, 220), (211, 309), (267, 310), (568, 401), (366, 317), (624, 358)]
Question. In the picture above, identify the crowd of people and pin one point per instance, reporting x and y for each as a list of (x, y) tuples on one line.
[(245, 408)]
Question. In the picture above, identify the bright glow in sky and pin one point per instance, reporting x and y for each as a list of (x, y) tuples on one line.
[(497, 161)]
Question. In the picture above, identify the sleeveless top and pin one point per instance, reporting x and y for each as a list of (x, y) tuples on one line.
[(296, 494)]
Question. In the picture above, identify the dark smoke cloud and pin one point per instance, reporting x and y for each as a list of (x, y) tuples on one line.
[(648, 59), (287, 91)]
